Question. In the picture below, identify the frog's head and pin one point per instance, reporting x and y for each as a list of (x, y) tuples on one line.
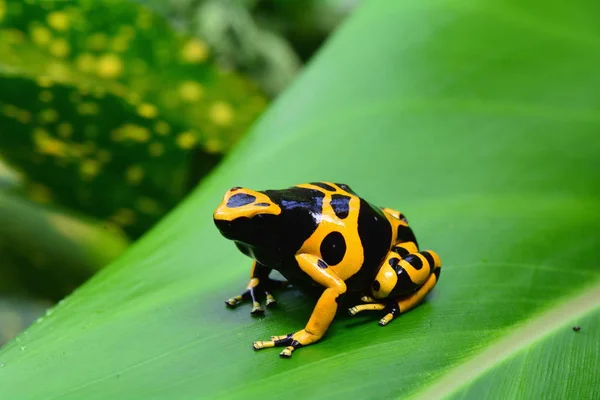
[(247, 216)]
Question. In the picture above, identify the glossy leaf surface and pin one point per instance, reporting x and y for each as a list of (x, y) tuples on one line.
[(479, 122)]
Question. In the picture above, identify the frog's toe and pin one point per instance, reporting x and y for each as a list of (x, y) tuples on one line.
[(258, 291), (257, 309), (271, 302), (234, 301), (294, 345), (262, 344), (287, 352), (282, 340), (386, 319), (292, 342), (392, 311), (274, 284)]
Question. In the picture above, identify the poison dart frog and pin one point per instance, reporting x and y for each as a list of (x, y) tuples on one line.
[(327, 242)]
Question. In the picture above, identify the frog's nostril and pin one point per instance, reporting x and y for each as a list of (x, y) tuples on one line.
[(233, 189), (222, 225)]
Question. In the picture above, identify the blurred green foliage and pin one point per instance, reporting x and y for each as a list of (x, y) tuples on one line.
[(105, 109), (268, 40), (50, 252), (305, 24)]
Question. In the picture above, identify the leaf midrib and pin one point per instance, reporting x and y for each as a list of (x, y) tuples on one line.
[(508, 346)]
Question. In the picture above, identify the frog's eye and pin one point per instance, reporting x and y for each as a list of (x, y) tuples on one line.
[(245, 203), (239, 200), (384, 281), (376, 285)]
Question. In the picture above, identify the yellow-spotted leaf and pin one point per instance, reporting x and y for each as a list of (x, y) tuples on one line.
[(93, 153), (109, 110), (479, 120)]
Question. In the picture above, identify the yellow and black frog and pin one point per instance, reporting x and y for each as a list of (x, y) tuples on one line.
[(327, 242)]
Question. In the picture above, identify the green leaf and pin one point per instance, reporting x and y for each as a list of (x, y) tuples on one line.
[(18, 312), (50, 252), (479, 121), (110, 111), (45, 254)]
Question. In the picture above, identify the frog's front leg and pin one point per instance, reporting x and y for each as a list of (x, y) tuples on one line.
[(323, 313), (259, 284)]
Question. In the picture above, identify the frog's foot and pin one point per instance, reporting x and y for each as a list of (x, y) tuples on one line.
[(256, 287), (292, 342), (371, 304), (364, 307), (391, 310)]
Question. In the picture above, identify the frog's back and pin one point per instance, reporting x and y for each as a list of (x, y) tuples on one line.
[(376, 238), (332, 222)]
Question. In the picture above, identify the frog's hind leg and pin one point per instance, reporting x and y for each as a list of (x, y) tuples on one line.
[(422, 272), (413, 274)]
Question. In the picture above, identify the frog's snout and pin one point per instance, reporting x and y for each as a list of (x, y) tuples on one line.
[(224, 226), (221, 219), (219, 214)]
